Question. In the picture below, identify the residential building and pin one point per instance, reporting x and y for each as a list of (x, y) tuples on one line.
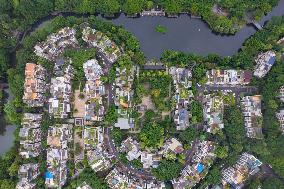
[(183, 94), (119, 180), (56, 174), (124, 123), (181, 118), (30, 135), (235, 176), (172, 145), (198, 167), (27, 173), (60, 89), (58, 138), (97, 160), (101, 41), (95, 90), (84, 186), (150, 159), (93, 136), (123, 90), (213, 108), (56, 43), (35, 85), (228, 77), (123, 97), (22, 184), (31, 120), (132, 148), (60, 135), (264, 62), (280, 117), (251, 106), (28, 150)]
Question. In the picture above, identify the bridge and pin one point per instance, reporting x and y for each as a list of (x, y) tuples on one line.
[(256, 24)]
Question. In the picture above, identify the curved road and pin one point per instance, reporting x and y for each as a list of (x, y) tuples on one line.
[(125, 168)]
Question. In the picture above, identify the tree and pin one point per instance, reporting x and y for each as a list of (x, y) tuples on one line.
[(89, 177), (132, 7), (234, 132), (222, 152), (188, 135), (214, 176), (118, 136), (11, 113), (272, 183), (196, 110), (109, 7), (3, 63), (254, 183), (167, 170), (151, 135), (111, 115), (7, 184)]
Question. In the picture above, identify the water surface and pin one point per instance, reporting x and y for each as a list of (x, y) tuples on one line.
[(187, 34)]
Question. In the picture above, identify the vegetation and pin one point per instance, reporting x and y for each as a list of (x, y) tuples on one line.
[(136, 164), (272, 183), (89, 177), (161, 29), (151, 135), (19, 15), (196, 110), (234, 132), (188, 135), (159, 88), (167, 170), (118, 136), (79, 57)]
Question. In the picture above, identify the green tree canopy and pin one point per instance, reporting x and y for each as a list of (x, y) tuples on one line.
[(152, 135), (167, 170)]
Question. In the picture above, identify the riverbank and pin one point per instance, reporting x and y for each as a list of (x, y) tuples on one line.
[(184, 33)]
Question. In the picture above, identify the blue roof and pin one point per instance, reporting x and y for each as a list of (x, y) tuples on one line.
[(272, 60), (114, 181), (199, 167), (48, 175)]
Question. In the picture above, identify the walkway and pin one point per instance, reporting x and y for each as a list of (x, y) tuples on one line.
[(257, 25)]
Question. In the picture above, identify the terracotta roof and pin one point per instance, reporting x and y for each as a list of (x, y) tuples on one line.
[(30, 69)]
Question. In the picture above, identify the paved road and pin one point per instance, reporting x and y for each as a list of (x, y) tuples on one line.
[(190, 153), (267, 171), (235, 89), (127, 169), (106, 68)]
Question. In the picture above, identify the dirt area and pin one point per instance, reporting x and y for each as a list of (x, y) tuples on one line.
[(146, 86), (164, 114), (146, 100), (79, 105)]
